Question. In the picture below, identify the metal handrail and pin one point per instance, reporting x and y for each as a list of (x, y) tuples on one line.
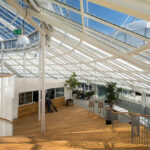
[(137, 131)]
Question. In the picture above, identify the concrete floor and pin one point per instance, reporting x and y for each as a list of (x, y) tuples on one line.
[(71, 128)]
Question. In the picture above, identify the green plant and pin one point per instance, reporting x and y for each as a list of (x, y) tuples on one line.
[(112, 93), (72, 83), (90, 94)]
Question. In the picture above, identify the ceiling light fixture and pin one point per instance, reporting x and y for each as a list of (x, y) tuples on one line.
[(23, 40)]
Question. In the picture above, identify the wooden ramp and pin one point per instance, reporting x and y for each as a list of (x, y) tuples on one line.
[(71, 128)]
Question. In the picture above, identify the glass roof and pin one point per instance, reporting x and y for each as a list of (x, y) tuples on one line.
[(98, 43)]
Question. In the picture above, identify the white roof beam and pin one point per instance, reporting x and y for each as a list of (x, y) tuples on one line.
[(140, 49), (82, 14), (102, 21), (54, 20), (81, 49), (105, 39), (19, 64), (15, 5), (137, 8)]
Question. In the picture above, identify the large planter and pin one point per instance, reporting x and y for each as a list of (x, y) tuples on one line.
[(69, 102)]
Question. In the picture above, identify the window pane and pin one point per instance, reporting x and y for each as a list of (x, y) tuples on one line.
[(28, 98), (59, 92), (51, 93), (21, 98), (25, 98)]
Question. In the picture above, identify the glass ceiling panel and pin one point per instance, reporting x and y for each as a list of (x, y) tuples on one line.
[(9, 22), (59, 10), (143, 57), (83, 67), (90, 23), (98, 26), (57, 67), (115, 17), (145, 76), (54, 51), (59, 61), (97, 50), (70, 59), (71, 67), (117, 65), (140, 77), (72, 3), (107, 14), (83, 55), (129, 65), (86, 52), (47, 61), (68, 36)]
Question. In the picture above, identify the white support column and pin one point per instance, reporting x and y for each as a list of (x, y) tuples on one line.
[(39, 95), (24, 65), (43, 85)]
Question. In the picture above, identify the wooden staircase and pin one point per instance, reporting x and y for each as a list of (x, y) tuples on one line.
[(71, 128)]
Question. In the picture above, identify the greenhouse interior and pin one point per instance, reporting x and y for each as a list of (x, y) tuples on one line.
[(74, 74)]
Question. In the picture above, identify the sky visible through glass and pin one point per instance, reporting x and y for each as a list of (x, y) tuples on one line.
[(101, 12)]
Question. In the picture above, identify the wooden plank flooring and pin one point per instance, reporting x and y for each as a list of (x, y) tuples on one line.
[(71, 128)]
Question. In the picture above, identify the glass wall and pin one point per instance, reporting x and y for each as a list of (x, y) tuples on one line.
[(51, 93), (131, 95), (25, 98), (33, 96), (85, 86), (148, 99), (101, 91), (59, 92)]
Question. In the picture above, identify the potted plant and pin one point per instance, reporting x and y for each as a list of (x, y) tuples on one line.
[(89, 94), (71, 84), (112, 93), (112, 96)]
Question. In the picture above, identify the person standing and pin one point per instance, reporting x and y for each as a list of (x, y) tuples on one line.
[(48, 103)]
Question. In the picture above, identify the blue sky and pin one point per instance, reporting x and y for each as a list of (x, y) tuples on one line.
[(99, 12)]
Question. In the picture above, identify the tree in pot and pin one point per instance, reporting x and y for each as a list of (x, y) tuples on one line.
[(112, 96), (71, 84), (112, 93)]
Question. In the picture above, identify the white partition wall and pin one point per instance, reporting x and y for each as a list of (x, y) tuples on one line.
[(31, 84), (6, 104)]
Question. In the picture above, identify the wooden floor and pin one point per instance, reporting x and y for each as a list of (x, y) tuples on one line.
[(71, 128)]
